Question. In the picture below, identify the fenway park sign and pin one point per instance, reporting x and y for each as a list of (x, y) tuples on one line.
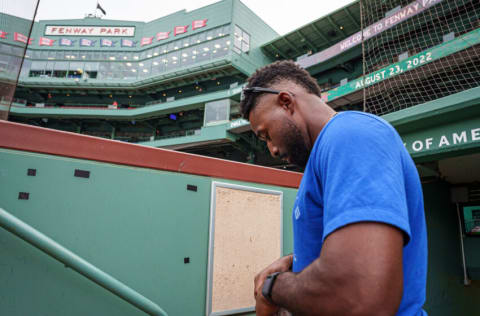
[(90, 30)]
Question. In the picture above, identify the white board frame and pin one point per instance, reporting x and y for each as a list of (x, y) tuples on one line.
[(213, 201)]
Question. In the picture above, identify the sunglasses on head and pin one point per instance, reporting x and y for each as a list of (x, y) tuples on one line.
[(261, 90)]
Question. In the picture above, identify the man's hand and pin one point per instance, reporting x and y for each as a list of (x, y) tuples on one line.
[(281, 265), (264, 307)]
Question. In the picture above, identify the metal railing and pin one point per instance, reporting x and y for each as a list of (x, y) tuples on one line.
[(71, 260)]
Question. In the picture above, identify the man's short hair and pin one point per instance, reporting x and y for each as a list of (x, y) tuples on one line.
[(278, 71)]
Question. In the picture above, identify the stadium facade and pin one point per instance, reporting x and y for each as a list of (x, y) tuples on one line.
[(176, 82), (173, 82)]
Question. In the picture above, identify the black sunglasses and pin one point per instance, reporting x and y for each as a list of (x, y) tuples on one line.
[(262, 90)]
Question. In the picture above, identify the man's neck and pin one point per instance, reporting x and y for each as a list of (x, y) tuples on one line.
[(316, 120)]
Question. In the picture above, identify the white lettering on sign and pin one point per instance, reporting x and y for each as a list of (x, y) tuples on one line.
[(428, 142), (462, 138), (417, 145), (66, 30), (476, 134), (371, 79), (443, 141)]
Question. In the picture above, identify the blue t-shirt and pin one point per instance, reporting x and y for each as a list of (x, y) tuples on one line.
[(359, 170)]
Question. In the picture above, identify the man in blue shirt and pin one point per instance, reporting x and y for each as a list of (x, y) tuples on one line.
[(360, 245)]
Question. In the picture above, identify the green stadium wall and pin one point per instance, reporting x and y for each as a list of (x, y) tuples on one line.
[(137, 223)]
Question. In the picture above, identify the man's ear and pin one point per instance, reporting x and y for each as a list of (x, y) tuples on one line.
[(285, 100)]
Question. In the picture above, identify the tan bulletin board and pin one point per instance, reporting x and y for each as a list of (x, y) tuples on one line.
[(245, 236)]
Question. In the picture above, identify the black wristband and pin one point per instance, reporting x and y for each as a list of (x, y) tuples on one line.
[(268, 286)]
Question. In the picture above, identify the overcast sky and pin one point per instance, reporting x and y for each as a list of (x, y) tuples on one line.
[(282, 15)]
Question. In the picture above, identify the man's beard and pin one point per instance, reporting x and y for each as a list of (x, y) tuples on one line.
[(297, 149)]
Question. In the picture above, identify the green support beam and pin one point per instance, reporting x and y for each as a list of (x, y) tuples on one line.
[(351, 17), (320, 33), (304, 38), (330, 20), (291, 45), (279, 51)]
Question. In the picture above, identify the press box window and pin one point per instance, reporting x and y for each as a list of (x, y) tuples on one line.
[(241, 40), (217, 112), (91, 69)]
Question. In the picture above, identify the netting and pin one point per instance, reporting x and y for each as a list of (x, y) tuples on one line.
[(424, 50), (14, 39)]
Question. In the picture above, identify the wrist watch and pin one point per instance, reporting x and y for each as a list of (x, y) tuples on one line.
[(268, 286)]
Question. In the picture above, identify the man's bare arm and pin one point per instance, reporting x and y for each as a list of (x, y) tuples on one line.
[(359, 272)]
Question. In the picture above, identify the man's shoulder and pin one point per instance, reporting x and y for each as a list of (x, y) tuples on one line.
[(357, 134), (353, 124), (356, 119)]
